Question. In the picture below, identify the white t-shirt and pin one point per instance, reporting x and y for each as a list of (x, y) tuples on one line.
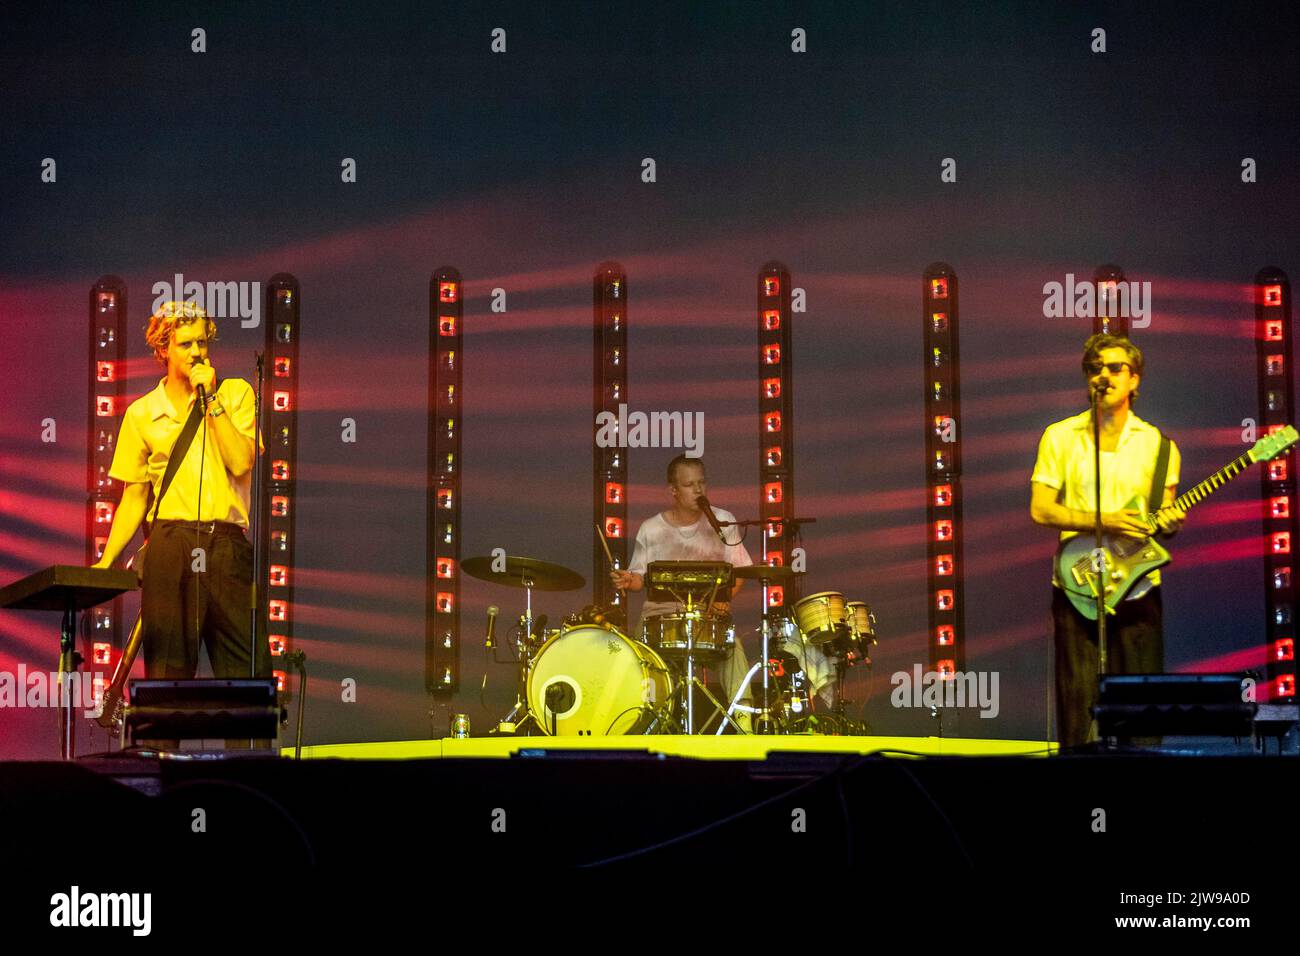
[(657, 540)]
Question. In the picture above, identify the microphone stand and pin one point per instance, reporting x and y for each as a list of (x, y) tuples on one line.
[(766, 723), (1099, 554), (254, 518)]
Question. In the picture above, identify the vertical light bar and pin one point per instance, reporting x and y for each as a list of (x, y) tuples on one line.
[(278, 499), (102, 642), (946, 566), (442, 546), (1276, 386), (609, 487), (1109, 317), (776, 423)]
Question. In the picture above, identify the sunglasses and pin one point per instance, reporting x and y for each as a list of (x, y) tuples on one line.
[(1094, 368)]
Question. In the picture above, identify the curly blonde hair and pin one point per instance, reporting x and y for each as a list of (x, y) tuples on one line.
[(158, 333)]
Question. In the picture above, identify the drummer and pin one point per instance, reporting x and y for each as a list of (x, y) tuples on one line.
[(682, 533)]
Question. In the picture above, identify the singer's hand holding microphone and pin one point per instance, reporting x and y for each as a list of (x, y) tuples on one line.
[(202, 375)]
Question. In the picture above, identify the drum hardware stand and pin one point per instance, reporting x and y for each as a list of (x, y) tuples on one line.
[(765, 724), (687, 687)]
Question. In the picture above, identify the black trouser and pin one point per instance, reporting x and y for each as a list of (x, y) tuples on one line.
[(181, 606), (1134, 645)]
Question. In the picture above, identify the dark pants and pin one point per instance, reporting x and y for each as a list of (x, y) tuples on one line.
[(181, 606), (1134, 645)]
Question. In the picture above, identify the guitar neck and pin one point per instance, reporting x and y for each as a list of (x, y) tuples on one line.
[(1198, 493)]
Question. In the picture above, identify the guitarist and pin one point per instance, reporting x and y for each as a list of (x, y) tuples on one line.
[(1063, 489), (197, 573)]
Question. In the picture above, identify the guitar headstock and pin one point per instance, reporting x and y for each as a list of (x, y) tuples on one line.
[(1270, 446)]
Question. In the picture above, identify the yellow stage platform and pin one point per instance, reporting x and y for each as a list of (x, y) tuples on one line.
[(730, 747)]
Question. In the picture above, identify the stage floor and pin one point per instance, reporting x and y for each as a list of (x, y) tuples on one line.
[(727, 747)]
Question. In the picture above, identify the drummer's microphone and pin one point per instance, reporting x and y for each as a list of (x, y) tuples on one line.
[(492, 619), (703, 503)]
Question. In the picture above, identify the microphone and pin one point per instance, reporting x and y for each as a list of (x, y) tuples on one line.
[(199, 388), (1103, 383), (492, 620), (703, 503)]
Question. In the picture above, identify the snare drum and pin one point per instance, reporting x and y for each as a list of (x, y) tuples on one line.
[(666, 633), (822, 617), (598, 682)]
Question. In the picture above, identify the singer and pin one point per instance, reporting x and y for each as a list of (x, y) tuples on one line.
[(1063, 489), (685, 533), (197, 569)]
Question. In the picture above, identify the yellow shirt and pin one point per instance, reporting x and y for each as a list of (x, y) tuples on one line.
[(1065, 462), (150, 429)]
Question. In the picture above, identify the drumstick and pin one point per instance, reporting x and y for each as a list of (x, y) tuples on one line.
[(609, 556)]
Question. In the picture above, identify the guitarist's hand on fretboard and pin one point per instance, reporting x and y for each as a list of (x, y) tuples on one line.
[(1170, 520)]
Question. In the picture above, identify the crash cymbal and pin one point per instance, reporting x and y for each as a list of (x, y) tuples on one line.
[(756, 572), (523, 572)]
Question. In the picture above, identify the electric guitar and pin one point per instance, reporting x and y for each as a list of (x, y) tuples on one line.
[(1129, 560), (114, 709)]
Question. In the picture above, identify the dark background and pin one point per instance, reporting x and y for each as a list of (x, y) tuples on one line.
[(523, 171)]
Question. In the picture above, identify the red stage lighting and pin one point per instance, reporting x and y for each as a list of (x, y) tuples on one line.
[(281, 367), (1280, 507), (279, 575), (280, 401), (1284, 649), (771, 388), (944, 636), (448, 291), (771, 320)]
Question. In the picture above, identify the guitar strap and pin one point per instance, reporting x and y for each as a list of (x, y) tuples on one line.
[(1157, 497), (174, 459)]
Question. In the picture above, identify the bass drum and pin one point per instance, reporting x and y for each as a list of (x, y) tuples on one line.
[(590, 681)]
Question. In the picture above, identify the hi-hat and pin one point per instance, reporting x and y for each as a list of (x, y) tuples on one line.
[(524, 572)]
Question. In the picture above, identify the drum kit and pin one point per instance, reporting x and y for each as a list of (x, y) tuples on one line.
[(589, 677)]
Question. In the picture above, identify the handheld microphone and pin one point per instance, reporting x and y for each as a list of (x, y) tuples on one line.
[(492, 620), (703, 503), (1103, 383), (199, 388)]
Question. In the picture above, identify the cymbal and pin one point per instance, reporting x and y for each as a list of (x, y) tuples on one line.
[(542, 575), (756, 572)]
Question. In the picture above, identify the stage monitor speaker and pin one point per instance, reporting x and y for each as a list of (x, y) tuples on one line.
[(1159, 705), (195, 709)]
